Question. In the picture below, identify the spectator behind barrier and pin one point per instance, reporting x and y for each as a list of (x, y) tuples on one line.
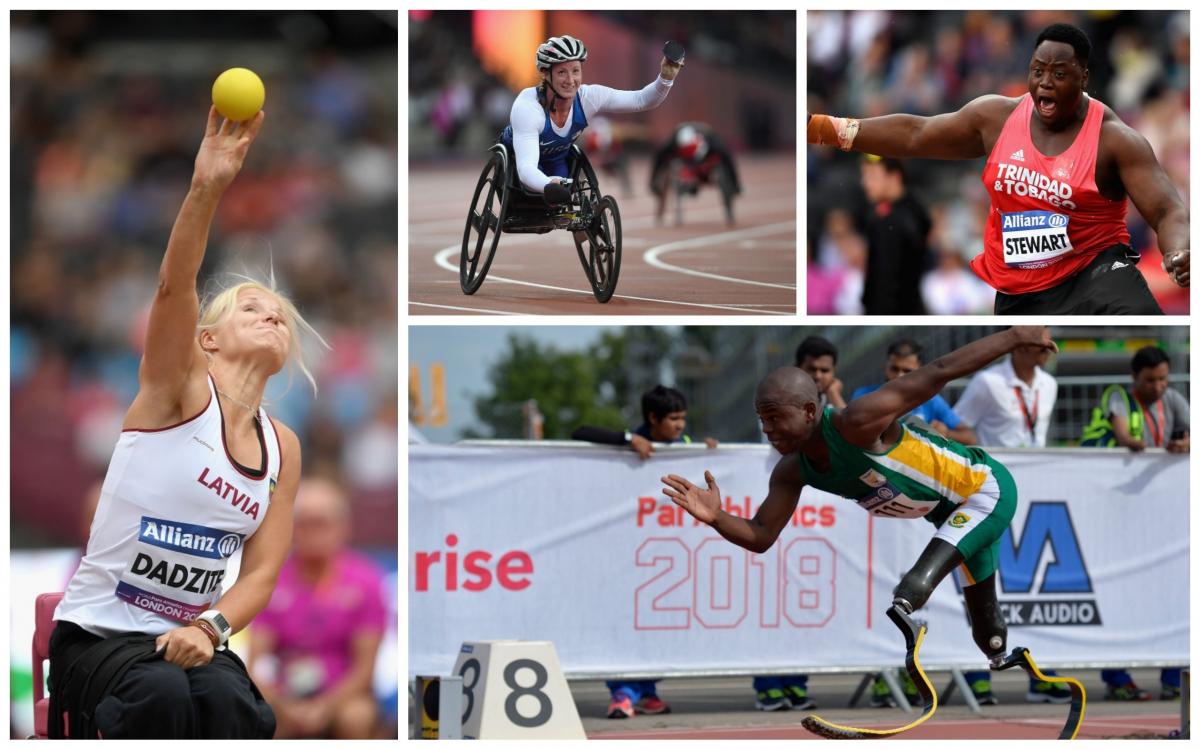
[(817, 356), (322, 627), (1010, 404), (1150, 414), (664, 415)]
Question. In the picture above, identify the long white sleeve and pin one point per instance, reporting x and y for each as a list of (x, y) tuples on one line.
[(528, 119), (598, 99)]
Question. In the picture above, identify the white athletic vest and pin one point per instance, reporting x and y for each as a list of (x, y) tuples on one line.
[(173, 508)]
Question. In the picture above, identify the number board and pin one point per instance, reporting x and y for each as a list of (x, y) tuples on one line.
[(515, 690)]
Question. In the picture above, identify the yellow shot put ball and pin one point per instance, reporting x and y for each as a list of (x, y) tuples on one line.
[(238, 94)]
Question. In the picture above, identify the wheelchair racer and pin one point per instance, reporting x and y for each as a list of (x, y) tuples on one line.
[(698, 149), (547, 118)]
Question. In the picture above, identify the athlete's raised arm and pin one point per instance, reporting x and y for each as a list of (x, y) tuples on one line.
[(955, 135), (1155, 198), (865, 419), (171, 349), (755, 534)]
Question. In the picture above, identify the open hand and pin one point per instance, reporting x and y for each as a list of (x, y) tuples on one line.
[(186, 647), (703, 504), (1178, 266), (223, 150)]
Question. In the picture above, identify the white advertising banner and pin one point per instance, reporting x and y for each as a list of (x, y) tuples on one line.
[(577, 545)]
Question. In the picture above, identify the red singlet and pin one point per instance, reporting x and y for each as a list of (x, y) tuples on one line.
[(1047, 219)]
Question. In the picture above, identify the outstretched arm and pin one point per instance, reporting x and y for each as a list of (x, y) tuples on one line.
[(755, 534), (866, 418), (597, 99), (955, 135), (1156, 199)]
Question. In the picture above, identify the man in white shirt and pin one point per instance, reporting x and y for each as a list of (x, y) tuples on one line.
[(1010, 404)]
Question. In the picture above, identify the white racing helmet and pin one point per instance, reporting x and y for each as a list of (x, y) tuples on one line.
[(691, 143), (559, 49)]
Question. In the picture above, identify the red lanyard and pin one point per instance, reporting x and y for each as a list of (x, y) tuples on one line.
[(1156, 436), (1030, 419)]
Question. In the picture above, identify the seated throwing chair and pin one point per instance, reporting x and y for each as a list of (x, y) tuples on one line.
[(43, 626)]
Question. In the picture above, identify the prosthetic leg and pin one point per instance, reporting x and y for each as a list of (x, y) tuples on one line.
[(914, 635), (1020, 658), (914, 589)]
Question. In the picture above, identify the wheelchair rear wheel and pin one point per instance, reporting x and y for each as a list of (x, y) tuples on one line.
[(599, 249), (482, 232)]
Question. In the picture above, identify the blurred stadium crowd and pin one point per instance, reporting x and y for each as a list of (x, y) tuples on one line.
[(875, 62), (107, 113)]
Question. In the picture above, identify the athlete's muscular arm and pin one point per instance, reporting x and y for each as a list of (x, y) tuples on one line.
[(1154, 196), (171, 350), (755, 534), (955, 135), (866, 418)]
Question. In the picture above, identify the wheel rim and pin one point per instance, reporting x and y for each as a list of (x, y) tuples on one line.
[(484, 217), (600, 251), (604, 253)]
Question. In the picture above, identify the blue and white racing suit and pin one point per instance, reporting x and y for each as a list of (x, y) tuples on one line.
[(541, 147)]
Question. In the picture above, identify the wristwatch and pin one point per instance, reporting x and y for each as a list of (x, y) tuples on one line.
[(628, 437), (220, 624)]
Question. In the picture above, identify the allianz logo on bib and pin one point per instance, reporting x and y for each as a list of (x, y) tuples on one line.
[(1033, 220), (191, 539)]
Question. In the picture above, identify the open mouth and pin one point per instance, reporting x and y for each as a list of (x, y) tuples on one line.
[(1046, 107)]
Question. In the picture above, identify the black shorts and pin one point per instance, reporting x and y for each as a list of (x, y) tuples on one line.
[(152, 698), (1110, 285)]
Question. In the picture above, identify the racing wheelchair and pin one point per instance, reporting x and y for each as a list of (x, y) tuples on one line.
[(687, 177), (501, 204)]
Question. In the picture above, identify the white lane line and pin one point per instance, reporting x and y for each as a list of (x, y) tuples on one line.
[(467, 309), (443, 255), (651, 256)]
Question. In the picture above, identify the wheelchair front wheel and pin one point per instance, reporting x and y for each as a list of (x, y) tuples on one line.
[(599, 248), (482, 232)]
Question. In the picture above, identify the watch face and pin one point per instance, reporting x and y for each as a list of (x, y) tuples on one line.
[(221, 622)]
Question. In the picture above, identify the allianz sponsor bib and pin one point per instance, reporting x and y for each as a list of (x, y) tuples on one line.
[(886, 500), (177, 568), (1034, 239)]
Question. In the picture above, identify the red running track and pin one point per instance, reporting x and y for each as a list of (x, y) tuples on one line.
[(702, 267), (1105, 727)]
